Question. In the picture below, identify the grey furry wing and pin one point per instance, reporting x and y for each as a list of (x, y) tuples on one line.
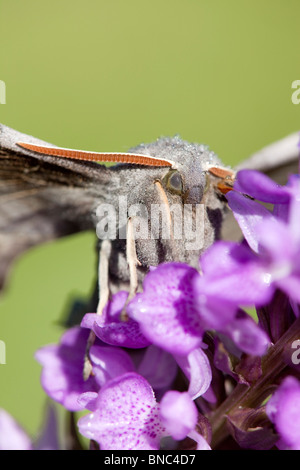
[(42, 198), (277, 160)]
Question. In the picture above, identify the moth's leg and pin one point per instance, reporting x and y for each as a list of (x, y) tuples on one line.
[(87, 365), (103, 275), (132, 261), (131, 258), (169, 243), (164, 200)]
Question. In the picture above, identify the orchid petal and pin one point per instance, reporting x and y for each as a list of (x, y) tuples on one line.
[(172, 322), (248, 214), (261, 187), (178, 413), (197, 369), (126, 417)]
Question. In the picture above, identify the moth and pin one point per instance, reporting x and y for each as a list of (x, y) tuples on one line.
[(47, 192)]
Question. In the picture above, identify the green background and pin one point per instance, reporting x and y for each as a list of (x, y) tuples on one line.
[(107, 75)]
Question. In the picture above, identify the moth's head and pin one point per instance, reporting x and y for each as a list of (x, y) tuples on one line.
[(189, 182), (189, 175)]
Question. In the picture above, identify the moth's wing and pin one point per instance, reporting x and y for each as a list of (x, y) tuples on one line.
[(42, 197), (277, 160)]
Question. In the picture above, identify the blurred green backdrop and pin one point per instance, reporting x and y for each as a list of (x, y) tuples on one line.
[(107, 75)]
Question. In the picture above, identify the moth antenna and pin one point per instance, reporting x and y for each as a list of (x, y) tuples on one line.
[(221, 172), (226, 176), (83, 155)]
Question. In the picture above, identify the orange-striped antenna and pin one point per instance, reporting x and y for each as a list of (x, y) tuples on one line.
[(83, 155), (227, 178), (221, 172)]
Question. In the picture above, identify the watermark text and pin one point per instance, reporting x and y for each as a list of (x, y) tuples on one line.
[(2, 352), (2, 92), (157, 221), (296, 94), (296, 353)]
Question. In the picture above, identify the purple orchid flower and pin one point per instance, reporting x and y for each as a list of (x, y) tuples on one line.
[(62, 373), (127, 416), (178, 304), (259, 186), (159, 363), (165, 310), (111, 329), (283, 409), (275, 242)]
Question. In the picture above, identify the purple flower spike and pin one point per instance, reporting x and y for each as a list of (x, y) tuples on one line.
[(166, 311), (283, 409), (111, 329), (126, 416), (178, 414)]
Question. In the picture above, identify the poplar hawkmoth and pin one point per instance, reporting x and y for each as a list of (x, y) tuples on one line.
[(48, 192)]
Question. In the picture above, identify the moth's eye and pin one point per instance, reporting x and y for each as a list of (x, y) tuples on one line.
[(173, 182)]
